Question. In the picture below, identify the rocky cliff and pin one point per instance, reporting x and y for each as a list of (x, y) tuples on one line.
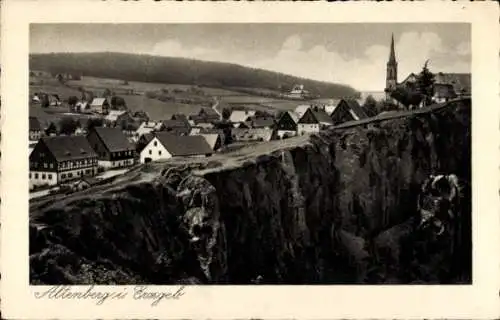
[(339, 207)]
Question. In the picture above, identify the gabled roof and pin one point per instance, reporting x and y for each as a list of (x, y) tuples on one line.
[(114, 115), (113, 139), (295, 117), (241, 115), (34, 124), (459, 81), (319, 114), (209, 112), (184, 145), (98, 101), (262, 122), (211, 139), (65, 148), (442, 90), (174, 124), (180, 117), (152, 125), (355, 109)]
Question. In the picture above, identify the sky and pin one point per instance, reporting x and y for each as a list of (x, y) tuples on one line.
[(355, 54)]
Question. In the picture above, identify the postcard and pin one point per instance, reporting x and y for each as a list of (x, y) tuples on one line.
[(249, 160)]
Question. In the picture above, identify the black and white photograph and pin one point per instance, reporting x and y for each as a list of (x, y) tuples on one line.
[(250, 153)]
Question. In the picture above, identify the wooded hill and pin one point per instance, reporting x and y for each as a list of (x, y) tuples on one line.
[(169, 70)]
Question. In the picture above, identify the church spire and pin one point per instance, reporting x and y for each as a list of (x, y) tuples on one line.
[(392, 55)]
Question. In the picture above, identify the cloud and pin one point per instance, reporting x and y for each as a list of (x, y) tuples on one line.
[(367, 70), (174, 48), (364, 71)]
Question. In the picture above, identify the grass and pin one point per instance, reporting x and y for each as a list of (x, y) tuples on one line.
[(159, 110)]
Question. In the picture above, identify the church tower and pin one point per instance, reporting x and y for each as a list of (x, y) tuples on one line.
[(392, 70)]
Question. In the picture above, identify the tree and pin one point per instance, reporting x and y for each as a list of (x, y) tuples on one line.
[(51, 129), (106, 93), (94, 122), (370, 106), (118, 102), (226, 113), (425, 84), (407, 97), (44, 102), (72, 101), (68, 126)]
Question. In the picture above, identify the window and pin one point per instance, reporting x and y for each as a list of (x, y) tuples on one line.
[(70, 175), (150, 152), (159, 152), (51, 166), (43, 176), (50, 177), (45, 165), (63, 176), (36, 175), (155, 143), (87, 171)]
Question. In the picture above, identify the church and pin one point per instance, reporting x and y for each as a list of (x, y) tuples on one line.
[(447, 86)]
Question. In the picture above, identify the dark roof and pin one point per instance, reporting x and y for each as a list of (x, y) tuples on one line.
[(459, 81), (204, 119), (356, 108), (262, 122), (147, 136), (113, 139), (34, 124), (442, 90), (184, 145), (174, 124), (319, 114), (69, 147), (180, 116), (208, 111)]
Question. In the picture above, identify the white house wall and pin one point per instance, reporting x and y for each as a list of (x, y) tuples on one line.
[(306, 128), (41, 178), (155, 152)]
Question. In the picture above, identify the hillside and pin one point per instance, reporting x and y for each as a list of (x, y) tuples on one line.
[(340, 207), (170, 70)]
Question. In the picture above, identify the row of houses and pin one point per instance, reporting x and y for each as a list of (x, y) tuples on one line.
[(58, 159), (307, 119)]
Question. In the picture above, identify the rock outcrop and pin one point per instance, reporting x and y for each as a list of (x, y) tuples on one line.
[(338, 207)]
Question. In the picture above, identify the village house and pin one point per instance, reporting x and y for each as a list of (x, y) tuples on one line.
[(148, 127), (205, 118), (262, 123), (35, 130), (313, 120), (238, 117), (348, 110), (331, 106), (118, 118), (287, 125), (298, 92), (214, 140), (165, 145), (178, 127), (100, 105), (113, 148), (54, 100), (443, 93), (61, 158)]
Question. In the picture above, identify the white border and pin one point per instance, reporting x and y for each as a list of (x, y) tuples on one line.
[(480, 300)]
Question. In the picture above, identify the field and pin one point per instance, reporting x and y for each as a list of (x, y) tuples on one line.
[(157, 109), (188, 101)]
